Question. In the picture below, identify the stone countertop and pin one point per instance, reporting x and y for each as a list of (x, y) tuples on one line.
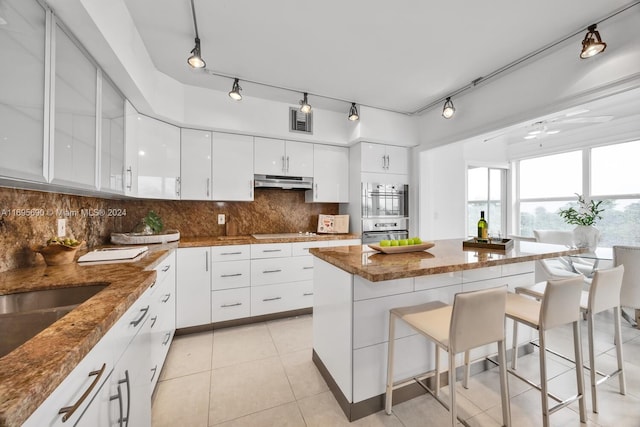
[(445, 257), (30, 373), (190, 242)]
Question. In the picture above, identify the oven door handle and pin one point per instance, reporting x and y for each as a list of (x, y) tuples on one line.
[(385, 224)]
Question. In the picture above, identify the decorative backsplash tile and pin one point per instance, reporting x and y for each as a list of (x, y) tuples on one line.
[(29, 218)]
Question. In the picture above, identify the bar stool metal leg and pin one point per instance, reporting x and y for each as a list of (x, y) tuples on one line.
[(438, 385), (391, 352), (504, 386), (621, 377), (577, 344), (452, 388), (544, 393), (514, 347)]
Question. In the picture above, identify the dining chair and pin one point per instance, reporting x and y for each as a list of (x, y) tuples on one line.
[(603, 295), (561, 267), (629, 256), (476, 318)]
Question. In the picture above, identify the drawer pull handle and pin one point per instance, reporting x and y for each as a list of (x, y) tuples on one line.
[(128, 382), (272, 271), (272, 250), (231, 275), (307, 294), (166, 297), (167, 337), (235, 304), (231, 253), (119, 397), (144, 312), (154, 369), (307, 268), (153, 320), (166, 268), (271, 299), (69, 410), (153, 284)]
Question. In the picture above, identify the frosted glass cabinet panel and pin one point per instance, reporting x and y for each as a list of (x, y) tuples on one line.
[(22, 69), (74, 142), (112, 142)]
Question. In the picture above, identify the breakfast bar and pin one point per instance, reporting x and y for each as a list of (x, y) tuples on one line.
[(355, 286)]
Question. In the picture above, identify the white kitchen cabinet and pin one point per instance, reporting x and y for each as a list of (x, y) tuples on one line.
[(158, 159), (232, 167), (381, 158), (112, 141), (229, 304), (130, 149), (193, 287), (284, 158), (230, 282), (195, 164), (330, 175), (280, 297)]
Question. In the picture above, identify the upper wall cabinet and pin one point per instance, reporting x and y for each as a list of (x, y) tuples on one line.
[(331, 175), (73, 159), (112, 150), (153, 169), (380, 158), (22, 89), (284, 158), (195, 164), (232, 167)]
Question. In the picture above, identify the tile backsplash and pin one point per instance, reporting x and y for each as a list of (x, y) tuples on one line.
[(29, 218)]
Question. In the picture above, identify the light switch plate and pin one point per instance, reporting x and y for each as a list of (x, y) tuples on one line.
[(62, 227), (221, 219)]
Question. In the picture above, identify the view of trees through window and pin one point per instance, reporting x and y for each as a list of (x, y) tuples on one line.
[(613, 178), (486, 192)]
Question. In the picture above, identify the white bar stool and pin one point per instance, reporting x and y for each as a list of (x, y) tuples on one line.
[(560, 305), (603, 294), (476, 318)]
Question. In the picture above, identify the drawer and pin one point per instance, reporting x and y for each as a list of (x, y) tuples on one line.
[(166, 268), (438, 280), (272, 270), (518, 268), (280, 297), (302, 248), (481, 274), (230, 304), (270, 250), (230, 253), (364, 289), (230, 274), (302, 268)]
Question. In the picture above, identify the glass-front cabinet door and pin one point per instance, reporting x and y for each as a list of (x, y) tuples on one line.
[(22, 91), (112, 141)]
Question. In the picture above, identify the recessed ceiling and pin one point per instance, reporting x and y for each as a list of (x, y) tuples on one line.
[(399, 56)]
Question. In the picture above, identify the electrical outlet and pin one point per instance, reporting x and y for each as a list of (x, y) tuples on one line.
[(221, 219), (62, 227)]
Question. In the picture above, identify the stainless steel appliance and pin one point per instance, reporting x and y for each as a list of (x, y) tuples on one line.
[(385, 211)]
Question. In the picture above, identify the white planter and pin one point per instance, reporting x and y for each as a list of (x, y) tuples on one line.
[(586, 236)]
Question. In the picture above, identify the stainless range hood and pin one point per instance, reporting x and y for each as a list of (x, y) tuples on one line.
[(284, 182)]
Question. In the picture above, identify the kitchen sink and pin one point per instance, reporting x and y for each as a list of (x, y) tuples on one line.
[(24, 315)]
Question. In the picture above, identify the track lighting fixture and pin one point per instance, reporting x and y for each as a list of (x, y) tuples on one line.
[(304, 104), (353, 112), (592, 43), (235, 90), (448, 110), (195, 60)]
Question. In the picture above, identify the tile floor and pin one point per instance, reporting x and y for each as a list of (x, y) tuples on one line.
[(262, 375)]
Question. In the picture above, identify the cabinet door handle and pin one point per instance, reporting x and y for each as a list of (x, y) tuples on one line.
[(69, 410), (287, 164), (206, 261), (153, 320), (307, 268), (388, 162), (231, 253), (208, 183), (231, 275), (129, 177), (271, 271), (307, 294), (271, 250), (177, 186), (316, 192), (235, 304), (284, 167), (154, 370), (271, 299), (143, 314), (166, 297), (167, 337), (119, 397), (251, 188), (126, 380), (166, 268)]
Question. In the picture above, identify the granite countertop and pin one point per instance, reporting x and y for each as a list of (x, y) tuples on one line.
[(190, 242), (445, 257), (30, 373)]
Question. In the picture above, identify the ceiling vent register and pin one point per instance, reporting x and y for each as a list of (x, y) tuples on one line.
[(300, 122)]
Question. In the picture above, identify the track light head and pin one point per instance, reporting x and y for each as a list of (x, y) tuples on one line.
[(448, 109), (235, 90), (304, 104), (592, 43), (353, 112), (195, 60)]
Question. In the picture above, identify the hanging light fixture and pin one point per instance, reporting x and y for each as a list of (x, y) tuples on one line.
[(235, 90), (448, 110), (592, 43), (195, 60), (304, 104), (353, 112)]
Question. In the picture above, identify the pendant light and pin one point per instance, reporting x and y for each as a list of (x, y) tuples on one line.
[(195, 60), (304, 104), (235, 90), (353, 112), (592, 43), (448, 109)]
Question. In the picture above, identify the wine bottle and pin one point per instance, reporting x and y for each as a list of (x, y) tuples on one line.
[(483, 228)]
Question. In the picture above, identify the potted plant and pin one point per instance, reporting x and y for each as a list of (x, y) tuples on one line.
[(585, 235), (150, 224)]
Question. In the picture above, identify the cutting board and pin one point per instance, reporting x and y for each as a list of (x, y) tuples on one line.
[(113, 254)]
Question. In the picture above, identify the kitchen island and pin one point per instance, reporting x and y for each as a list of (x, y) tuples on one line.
[(354, 288)]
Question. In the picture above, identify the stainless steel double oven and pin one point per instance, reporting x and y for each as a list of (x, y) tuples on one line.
[(385, 212)]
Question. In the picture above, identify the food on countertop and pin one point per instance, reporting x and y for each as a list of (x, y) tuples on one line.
[(64, 241), (385, 243), (401, 242)]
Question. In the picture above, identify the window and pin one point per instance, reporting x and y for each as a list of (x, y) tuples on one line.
[(486, 191)]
